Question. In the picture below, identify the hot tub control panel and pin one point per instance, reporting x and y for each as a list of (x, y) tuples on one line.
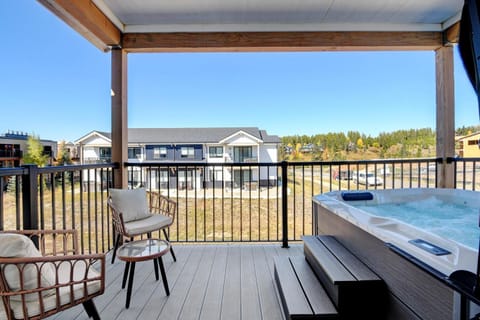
[(429, 247)]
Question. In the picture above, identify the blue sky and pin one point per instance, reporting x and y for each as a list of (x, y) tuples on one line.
[(55, 84)]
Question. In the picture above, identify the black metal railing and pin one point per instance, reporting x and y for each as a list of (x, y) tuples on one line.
[(63, 197), (239, 202), (232, 202), (467, 173)]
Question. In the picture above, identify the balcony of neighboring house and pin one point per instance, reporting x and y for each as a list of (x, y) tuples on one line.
[(245, 154), (10, 158), (10, 155)]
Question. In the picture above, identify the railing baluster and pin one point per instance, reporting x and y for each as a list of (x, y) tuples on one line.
[(284, 165), (3, 187), (474, 175)]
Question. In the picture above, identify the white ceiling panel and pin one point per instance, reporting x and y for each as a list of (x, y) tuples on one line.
[(281, 15)]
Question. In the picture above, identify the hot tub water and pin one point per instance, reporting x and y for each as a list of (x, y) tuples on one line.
[(458, 222)]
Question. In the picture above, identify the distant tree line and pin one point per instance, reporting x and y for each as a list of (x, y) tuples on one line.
[(356, 145), (463, 131)]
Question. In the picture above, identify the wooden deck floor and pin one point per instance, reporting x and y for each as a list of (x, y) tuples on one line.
[(231, 281)]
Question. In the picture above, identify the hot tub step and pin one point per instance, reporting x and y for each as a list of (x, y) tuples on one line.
[(353, 287), (302, 295)]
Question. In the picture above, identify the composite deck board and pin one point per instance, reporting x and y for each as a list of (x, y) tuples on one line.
[(212, 281), (193, 303), (268, 301), (250, 306), (153, 307), (178, 293), (231, 300), (214, 293)]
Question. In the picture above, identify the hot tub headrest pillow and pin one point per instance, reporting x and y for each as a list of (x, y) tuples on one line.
[(357, 196)]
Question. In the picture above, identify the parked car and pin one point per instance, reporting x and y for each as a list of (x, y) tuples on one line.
[(343, 175), (367, 178), (432, 168)]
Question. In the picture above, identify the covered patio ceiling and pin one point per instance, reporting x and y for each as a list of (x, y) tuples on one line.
[(126, 26), (267, 25)]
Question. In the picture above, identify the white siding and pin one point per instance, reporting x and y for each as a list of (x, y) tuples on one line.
[(90, 153), (268, 153), (98, 141)]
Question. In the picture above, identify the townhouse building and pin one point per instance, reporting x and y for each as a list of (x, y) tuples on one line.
[(13, 145), (231, 156)]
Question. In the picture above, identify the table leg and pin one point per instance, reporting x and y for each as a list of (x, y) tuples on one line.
[(130, 284), (164, 276), (125, 274), (155, 268)]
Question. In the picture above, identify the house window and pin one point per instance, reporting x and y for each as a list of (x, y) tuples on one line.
[(187, 152), (105, 154), (159, 153), (47, 151), (134, 153), (472, 142), (215, 152)]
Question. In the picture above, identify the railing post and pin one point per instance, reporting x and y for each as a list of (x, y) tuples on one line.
[(284, 165), (30, 197)]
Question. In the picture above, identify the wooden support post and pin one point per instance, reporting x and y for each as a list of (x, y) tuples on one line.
[(119, 116), (445, 117)]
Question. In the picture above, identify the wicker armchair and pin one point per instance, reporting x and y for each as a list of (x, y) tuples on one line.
[(36, 283), (135, 213)]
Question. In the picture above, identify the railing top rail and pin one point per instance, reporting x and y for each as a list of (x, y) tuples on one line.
[(5, 172), (53, 169), (355, 162), (288, 163), (463, 159), (201, 164)]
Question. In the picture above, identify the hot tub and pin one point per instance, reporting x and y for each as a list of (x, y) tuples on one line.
[(414, 292)]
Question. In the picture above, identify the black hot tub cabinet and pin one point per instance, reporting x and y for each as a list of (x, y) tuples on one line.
[(413, 293)]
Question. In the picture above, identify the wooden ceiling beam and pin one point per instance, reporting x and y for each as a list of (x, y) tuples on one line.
[(280, 41), (452, 34), (84, 17)]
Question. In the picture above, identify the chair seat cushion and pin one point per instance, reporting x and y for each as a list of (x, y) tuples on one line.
[(78, 291), (131, 203), (152, 223)]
